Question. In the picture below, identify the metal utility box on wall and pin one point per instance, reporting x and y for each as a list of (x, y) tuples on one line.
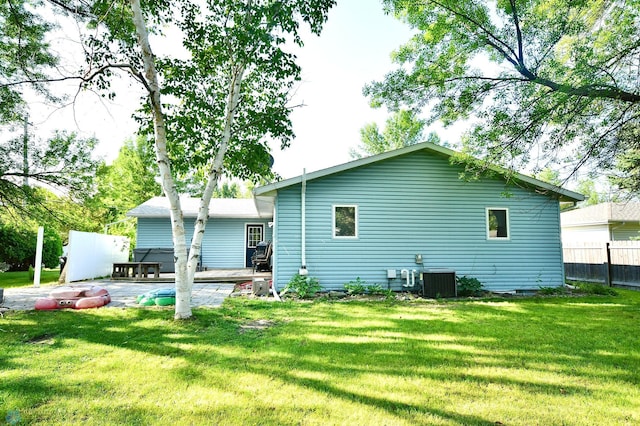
[(439, 283)]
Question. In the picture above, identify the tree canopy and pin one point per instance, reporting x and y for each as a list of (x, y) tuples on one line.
[(402, 128), (63, 162), (539, 81), (24, 56)]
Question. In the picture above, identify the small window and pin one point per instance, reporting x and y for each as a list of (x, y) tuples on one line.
[(254, 235), (345, 221), (497, 224)]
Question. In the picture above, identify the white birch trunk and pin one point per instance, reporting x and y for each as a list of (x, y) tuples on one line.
[(233, 98), (215, 172), (183, 284)]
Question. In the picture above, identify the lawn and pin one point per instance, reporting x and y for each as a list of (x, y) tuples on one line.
[(540, 360), (23, 278)]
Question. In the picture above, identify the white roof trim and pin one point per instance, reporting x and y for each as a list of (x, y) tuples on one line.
[(272, 188), (232, 208)]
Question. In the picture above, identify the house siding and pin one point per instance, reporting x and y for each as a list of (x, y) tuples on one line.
[(223, 244), (416, 204)]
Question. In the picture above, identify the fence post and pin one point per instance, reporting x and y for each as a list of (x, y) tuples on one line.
[(607, 266)]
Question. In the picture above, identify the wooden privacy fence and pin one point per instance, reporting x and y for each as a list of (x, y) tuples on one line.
[(612, 263)]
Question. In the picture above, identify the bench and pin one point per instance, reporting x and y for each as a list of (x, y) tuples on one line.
[(135, 269)]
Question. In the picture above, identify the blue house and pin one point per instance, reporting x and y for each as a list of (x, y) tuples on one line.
[(234, 229), (390, 217)]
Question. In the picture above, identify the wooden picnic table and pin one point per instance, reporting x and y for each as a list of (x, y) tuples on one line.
[(135, 269)]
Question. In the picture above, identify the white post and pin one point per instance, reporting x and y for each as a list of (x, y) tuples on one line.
[(38, 265)]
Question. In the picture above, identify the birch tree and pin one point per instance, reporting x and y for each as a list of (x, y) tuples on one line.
[(233, 92), (213, 112)]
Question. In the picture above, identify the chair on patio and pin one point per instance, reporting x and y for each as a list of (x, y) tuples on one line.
[(261, 258)]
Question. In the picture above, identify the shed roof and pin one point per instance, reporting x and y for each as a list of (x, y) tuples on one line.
[(239, 208), (602, 213), (264, 195)]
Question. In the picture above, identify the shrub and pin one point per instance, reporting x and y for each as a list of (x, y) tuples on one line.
[(18, 248), (593, 288), (355, 287), (378, 290), (303, 286), (550, 291), (469, 286), (51, 248)]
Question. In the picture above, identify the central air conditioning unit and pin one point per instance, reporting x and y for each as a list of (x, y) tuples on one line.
[(439, 283)]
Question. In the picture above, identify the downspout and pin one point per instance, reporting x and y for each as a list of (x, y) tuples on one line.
[(303, 221), (274, 259)]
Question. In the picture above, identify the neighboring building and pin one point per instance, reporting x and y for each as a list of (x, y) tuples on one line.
[(409, 210), (601, 223), (233, 230)]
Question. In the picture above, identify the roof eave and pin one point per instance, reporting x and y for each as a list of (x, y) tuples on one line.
[(272, 188)]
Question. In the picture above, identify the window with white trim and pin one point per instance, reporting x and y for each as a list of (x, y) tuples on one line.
[(254, 235), (345, 221), (498, 223)]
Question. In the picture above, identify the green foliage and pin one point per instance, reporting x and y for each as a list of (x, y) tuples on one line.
[(355, 287), (227, 190), (304, 286), (25, 55), (128, 182), (627, 175), (377, 289), (551, 291), (593, 288), (539, 82), (550, 176), (18, 248), (402, 129), (587, 187), (63, 162), (51, 248), (358, 287), (468, 286), (228, 40)]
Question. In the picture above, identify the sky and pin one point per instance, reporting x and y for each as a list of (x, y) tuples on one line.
[(353, 49)]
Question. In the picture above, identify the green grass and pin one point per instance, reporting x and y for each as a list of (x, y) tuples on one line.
[(541, 360), (22, 278)]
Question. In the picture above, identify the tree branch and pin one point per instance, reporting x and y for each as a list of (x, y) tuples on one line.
[(490, 38), (87, 77), (516, 24), (84, 12)]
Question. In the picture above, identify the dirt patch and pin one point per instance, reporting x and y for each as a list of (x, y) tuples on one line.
[(43, 339), (260, 324)]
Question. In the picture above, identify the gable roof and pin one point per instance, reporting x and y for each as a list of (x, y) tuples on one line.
[(602, 213), (238, 208), (264, 194)]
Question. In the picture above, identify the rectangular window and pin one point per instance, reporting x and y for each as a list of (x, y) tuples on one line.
[(345, 221), (254, 235), (497, 223)]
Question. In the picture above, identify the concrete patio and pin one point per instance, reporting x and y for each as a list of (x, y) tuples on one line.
[(210, 288)]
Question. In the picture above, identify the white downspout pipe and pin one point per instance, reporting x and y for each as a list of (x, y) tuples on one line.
[(303, 221), (404, 273)]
